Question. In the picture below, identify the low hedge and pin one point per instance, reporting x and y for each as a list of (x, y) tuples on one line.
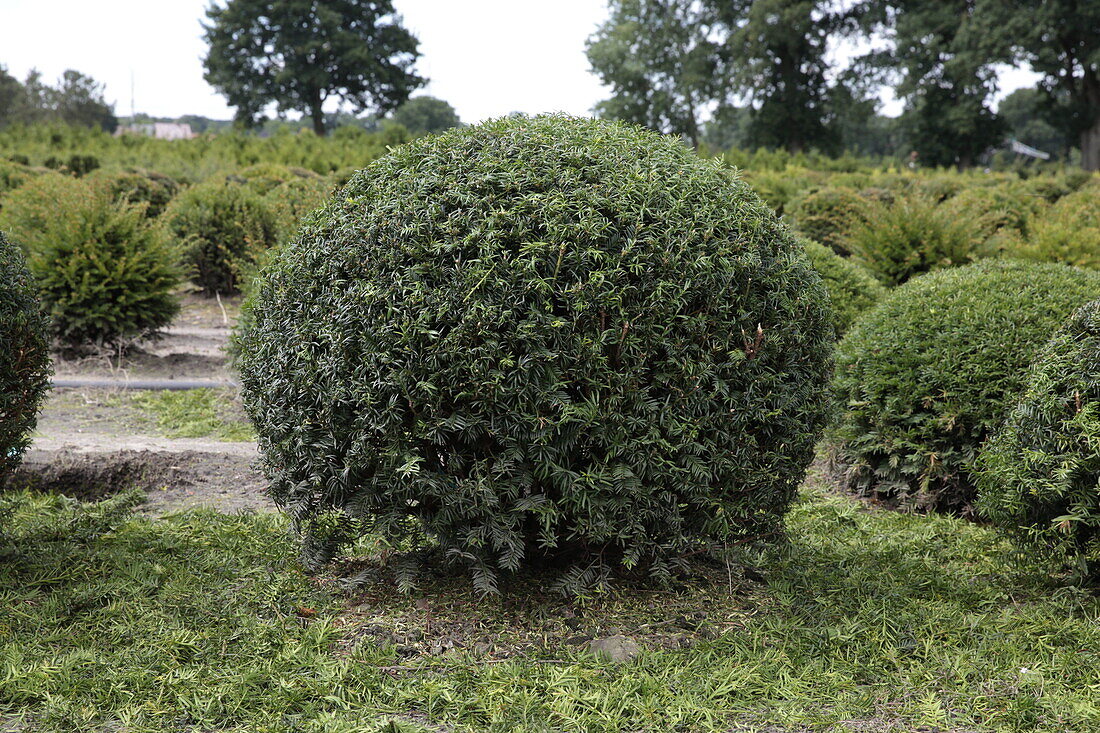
[(223, 229), (24, 356), (826, 215), (106, 273), (928, 375), (1040, 475), (852, 289)]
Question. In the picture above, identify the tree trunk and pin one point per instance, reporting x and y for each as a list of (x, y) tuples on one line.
[(316, 101), (1090, 147), (318, 120)]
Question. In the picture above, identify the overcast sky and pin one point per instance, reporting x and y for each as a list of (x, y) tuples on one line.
[(485, 57)]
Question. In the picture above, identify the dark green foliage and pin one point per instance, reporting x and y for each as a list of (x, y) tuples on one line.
[(909, 236), (426, 115), (291, 200), (826, 215), (1040, 474), (222, 228), (928, 374), (852, 289), (105, 272), (138, 186), (541, 339), (24, 356)]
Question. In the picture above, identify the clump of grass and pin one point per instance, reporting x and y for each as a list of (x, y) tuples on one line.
[(866, 620), (197, 413)]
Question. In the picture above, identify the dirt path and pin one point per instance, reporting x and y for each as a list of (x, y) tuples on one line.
[(92, 442)]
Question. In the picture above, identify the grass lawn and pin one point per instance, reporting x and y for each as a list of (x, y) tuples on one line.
[(866, 621), (195, 413)]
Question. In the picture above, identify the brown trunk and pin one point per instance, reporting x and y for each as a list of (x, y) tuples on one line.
[(316, 101), (1090, 147)]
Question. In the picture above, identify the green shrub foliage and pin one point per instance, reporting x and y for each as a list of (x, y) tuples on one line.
[(540, 339), (909, 236), (827, 215), (24, 356), (997, 208), (106, 273), (1040, 474), (138, 186), (222, 228), (852, 289), (1068, 232), (928, 374)]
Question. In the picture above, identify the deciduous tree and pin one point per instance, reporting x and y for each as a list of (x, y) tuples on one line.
[(298, 54)]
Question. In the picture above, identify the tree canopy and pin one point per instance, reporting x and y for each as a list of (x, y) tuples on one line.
[(424, 115), (76, 100), (298, 54)]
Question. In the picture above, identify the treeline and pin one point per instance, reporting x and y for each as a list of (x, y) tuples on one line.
[(764, 73), (76, 99)]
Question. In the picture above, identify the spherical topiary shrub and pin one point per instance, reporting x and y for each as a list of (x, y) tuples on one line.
[(24, 356), (106, 273), (852, 289), (222, 228), (826, 215), (928, 374), (539, 339), (997, 208), (1040, 474)]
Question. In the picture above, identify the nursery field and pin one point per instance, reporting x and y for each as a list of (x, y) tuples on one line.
[(317, 456)]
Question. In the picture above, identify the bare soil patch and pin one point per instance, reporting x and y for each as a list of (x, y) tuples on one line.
[(173, 481)]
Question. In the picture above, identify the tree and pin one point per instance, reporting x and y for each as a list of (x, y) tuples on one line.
[(777, 61), (1060, 40), (942, 59), (78, 100), (298, 54), (1034, 119), (426, 115), (662, 62)]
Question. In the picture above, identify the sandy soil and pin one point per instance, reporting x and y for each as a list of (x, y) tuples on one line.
[(90, 443)]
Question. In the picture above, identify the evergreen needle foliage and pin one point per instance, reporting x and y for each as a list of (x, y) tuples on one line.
[(929, 374), (106, 273), (223, 229), (1041, 472), (852, 289), (24, 356), (542, 339)]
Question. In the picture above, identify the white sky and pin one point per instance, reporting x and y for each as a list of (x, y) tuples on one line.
[(486, 57)]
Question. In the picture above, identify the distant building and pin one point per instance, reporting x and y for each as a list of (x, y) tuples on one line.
[(159, 130)]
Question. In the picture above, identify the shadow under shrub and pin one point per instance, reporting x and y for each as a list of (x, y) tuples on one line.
[(929, 374), (1040, 474), (105, 272), (222, 229), (24, 356), (539, 340)]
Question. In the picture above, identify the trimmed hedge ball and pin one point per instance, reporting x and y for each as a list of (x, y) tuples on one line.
[(540, 340), (223, 229), (826, 215), (852, 289), (1040, 474), (24, 356), (928, 375)]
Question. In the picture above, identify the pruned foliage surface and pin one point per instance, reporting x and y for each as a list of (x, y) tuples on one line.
[(927, 376), (539, 340)]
